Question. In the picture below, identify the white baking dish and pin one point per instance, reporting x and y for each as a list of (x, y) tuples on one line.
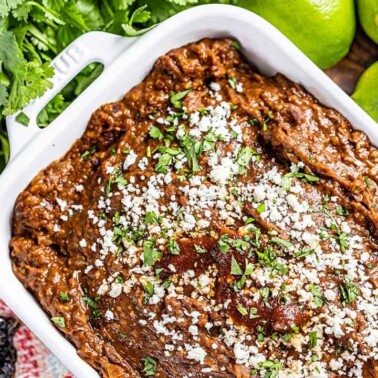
[(127, 61)]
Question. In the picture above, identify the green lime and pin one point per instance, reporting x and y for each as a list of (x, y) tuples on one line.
[(366, 93), (322, 29), (368, 14)]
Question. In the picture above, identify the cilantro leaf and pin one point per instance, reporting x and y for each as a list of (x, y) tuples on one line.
[(176, 97), (349, 291), (3, 95), (7, 5), (242, 310), (150, 254), (199, 249), (272, 368), (313, 336), (156, 133), (140, 15), (173, 247), (59, 321), (64, 297), (149, 367), (244, 157), (235, 267), (23, 119), (282, 242)]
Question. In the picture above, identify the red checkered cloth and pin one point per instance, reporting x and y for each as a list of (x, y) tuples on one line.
[(34, 360)]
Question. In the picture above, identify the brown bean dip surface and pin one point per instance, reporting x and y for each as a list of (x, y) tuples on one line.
[(212, 223)]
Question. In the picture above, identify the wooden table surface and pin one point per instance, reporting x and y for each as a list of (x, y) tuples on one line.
[(362, 54)]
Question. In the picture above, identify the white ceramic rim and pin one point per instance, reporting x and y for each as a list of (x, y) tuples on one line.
[(33, 149)]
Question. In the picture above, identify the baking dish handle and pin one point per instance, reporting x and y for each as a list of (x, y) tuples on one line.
[(90, 47)]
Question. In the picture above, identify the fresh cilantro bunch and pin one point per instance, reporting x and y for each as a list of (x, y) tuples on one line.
[(33, 32)]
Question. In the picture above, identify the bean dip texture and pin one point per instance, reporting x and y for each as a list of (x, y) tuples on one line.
[(212, 223)]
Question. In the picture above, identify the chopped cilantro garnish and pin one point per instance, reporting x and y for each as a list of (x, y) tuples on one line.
[(236, 45), (348, 291), (244, 157), (199, 249), (235, 267), (367, 181), (295, 329), (151, 217), (119, 233), (261, 208), (59, 321), (92, 304), (209, 141), (272, 368), (304, 252), (116, 217), (264, 292), (119, 280), (266, 120), (156, 133), (87, 154), (150, 366), (305, 177), (256, 242), (254, 121), (149, 290), (286, 182), (287, 179), (253, 313), (343, 241), (223, 243), (108, 188), (319, 299), (282, 242), (120, 180), (173, 247), (239, 244), (64, 297), (249, 220), (177, 97), (341, 211), (266, 257), (237, 271), (260, 334), (167, 284), (150, 254), (158, 271), (163, 163), (280, 268), (242, 310), (192, 150), (313, 339), (115, 178), (232, 82), (340, 236)]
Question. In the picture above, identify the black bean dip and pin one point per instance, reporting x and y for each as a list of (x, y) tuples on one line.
[(212, 223)]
